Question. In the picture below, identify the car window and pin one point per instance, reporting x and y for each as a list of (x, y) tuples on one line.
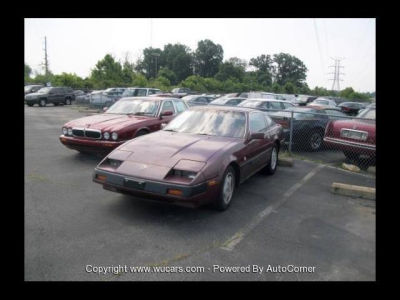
[(167, 106), (151, 92), (140, 92), (286, 105), (275, 105), (180, 106), (257, 122), (200, 100), (233, 102)]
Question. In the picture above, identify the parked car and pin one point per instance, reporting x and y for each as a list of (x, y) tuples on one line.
[(286, 97), (139, 92), (227, 101), (126, 119), (351, 108), (182, 92), (355, 137), (106, 97), (266, 104), (303, 100), (309, 125), (198, 158), (195, 100), (322, 102), (55, 95), (82, 97), (261, 95), (32, 88)]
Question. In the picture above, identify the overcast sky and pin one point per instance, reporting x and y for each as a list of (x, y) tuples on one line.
[(75, 45)]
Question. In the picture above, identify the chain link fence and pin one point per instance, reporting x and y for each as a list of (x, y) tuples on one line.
[(329, 136)]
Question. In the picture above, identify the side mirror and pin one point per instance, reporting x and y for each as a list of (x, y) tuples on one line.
[(105, 108), (256, 136), (166, 113)]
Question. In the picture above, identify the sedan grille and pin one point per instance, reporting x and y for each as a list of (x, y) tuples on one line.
[(89, 133)]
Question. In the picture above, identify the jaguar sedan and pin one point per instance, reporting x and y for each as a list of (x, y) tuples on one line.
[(199, 157), (126, 119)]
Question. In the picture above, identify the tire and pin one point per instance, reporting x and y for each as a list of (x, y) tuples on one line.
[(140, 133), (315, 140), (42, 102), (227, 189), (56, 103), (351, 155), (30, 104), (67, 101), (273, 162)]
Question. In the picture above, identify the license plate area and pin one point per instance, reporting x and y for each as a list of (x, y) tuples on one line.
[(354, 134), (134, 183)]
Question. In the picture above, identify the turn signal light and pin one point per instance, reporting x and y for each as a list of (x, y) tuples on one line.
[(174, 192), (212, 182), (101, 177)]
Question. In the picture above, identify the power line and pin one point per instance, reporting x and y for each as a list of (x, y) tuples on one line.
[(336, 78), (319, 45)]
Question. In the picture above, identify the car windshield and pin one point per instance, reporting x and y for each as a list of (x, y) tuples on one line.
[(367, 114), (250, 103), (135, 107), (44, 90), (209, 122), (188, 98), (220, 101)]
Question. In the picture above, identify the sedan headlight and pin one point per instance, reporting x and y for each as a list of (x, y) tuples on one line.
[(185, 174), (106, 135), (69, 131), (114, 136), (64, 130)]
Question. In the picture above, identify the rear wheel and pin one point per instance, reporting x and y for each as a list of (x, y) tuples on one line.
[(30, 104), (227, 189), (42, 102), (315, 140), (67, 101)]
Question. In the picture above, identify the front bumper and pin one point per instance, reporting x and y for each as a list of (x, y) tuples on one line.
[(192, 195), (350, 146), (89, 145)]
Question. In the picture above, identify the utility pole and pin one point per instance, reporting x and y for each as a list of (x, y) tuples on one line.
[(336, 74), (156, 55), (46, 61)]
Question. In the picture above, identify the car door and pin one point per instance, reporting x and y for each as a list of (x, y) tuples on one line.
[(256, 151), (167, 106), (54, 95)]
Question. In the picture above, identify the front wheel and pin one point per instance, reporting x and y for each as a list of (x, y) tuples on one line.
[(30, 104), (67, 101), (273, 162), (42, 102), (227, 189)]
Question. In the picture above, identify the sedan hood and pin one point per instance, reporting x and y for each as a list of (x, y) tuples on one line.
[(153, 155), (107, 122)]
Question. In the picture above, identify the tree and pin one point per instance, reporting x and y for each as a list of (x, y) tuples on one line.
[(128, 72), (289, 69), (27, 72), (178, 59), (167, 73), (207, 58), (265, 69), (67, 79), (150, 63), (289, 88), (107, 72), (230, 70)]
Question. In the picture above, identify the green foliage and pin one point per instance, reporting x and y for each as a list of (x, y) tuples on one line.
[(151, 62), (169, 74), (178, 59), (207, 58), (289, 69), (349, 93), (230, 70), (66, 79), (107, 73), (289, 88), (27, 72)]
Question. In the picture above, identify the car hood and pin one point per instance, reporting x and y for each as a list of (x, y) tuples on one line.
[(107, 122), (34, 95), (153, 155)]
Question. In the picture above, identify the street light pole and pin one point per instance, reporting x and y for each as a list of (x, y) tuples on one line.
[(156, 56)]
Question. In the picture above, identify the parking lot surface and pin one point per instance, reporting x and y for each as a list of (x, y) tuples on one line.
[(73, 226)]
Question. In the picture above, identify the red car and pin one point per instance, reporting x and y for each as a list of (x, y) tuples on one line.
[(200, 157), (355, 137), (124, 120)]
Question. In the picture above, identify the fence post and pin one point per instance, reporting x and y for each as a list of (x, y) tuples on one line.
[(291, 132)]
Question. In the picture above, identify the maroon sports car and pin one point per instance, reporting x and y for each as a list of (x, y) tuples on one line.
[(198, 158), (355, 137), (126, 119)]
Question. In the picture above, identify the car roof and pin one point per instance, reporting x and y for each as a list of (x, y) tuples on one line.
[(148, 98), (266, 100), (224, 108)]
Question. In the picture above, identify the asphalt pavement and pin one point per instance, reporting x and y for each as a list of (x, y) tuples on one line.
[(75, 230)]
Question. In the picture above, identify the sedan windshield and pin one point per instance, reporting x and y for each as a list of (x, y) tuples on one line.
[(250, 103), (367, 114), (208, 122), (135, 107)]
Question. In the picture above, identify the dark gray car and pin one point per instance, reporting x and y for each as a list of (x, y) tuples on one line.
[(55, 95)]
